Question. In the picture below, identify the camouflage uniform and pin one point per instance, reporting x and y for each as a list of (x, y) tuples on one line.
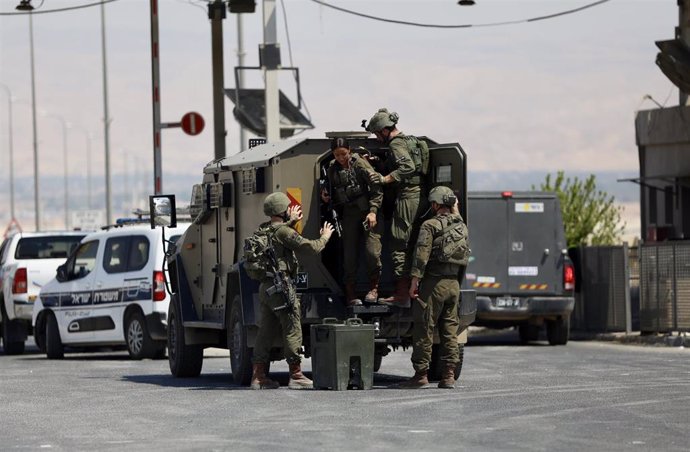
[(410, 203), (284, 322), (353, 191), (439, 295)]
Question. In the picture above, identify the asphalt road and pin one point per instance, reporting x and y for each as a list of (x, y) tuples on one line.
[(583, 396)]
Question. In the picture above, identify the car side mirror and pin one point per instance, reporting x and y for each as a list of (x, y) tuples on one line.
[(61, 274), (162, 211)]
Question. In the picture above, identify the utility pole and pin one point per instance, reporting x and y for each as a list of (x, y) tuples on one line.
[(269, 54), (683, 34), (155, 91), (37, 202), (216, 13), (11, 148), (106, 123)]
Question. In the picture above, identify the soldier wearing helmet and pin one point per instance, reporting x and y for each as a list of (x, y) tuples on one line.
[(440, 253), (272, 323), (407, 176), (359, 201)]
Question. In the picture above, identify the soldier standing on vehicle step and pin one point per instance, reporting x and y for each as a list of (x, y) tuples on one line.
[(352, 190), (284, 321), (408, 167), (440, 252)]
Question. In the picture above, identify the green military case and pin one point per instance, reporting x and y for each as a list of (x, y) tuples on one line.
[(342, 354)]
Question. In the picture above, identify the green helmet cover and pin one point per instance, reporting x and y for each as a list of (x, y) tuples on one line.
[(382, 119), (276, 203), (442, 195)]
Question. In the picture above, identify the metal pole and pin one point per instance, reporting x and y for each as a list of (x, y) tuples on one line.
[(11, 149), (216, 12), (37, 204), (240, 79), (271, 74), (155, 87), (106, 122)]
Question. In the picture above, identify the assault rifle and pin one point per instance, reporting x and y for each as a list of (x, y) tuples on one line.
[(324, 184), (282, 283)]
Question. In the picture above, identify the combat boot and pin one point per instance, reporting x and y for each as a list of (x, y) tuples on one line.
[(373, 295), (419, 381), (297, 378), (401, 296), (259, 378), (447, 376), (350, 297)]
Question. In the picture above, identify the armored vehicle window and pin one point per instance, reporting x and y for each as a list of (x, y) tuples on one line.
[(46, 247), (83, 261)]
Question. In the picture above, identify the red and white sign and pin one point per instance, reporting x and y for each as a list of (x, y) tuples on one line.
[(192, 123)]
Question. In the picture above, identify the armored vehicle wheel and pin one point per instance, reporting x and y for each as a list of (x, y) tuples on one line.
[(185, 360), (378, 358), (139, 342), (557, 331), (54, 348), (11, 332), (528, 332), (436, 366), (240, 353)]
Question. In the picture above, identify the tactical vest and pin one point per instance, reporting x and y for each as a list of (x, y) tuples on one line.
[(256, 263), (419, 153), (450, 246), (345, 185)]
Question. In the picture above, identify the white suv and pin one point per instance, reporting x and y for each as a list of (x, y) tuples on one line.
[(110, 292), (27, 261)]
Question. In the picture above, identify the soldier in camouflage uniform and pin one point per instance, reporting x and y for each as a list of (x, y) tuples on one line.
[(409, 198), (284, 322), (352, 190), (440, 252)]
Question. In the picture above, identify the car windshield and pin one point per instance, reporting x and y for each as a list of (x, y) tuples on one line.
[(46, 247)]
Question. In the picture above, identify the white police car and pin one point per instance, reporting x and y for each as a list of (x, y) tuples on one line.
[(110, 292)]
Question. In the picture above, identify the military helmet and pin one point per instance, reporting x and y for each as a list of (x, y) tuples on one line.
[(382, 119), (442, 195), (276, 203)]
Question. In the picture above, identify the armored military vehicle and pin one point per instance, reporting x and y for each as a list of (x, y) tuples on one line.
[(214, 302), (520, 265)]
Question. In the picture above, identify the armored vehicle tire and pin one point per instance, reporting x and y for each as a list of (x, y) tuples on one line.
[(436, 366), (528, 332), (240, 353), (185, 360), (139, 342), (54, 348), (378, 358), (557, 331), (11, 330)]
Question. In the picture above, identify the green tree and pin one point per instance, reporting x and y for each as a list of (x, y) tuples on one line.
[(589, 215)]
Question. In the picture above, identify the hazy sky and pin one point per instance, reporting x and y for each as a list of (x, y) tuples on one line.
[(548, 95)]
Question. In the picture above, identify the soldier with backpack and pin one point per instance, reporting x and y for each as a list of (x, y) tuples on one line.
[(408, 162), (275, 266), (440, 252)]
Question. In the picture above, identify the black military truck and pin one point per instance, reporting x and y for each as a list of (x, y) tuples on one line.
[(214, 302), (519, 264)]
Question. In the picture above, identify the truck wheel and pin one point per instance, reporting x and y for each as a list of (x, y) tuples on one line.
[(54, 348), (139, 342), (528, 332), (11, 332), (240, 353), (185, 360), (436, 365), (557, 331)]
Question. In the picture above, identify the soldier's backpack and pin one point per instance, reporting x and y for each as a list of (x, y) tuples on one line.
[(451, 245), (256, 262), (419, 152)]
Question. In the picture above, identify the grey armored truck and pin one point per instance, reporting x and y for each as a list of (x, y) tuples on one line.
[(519, 265), (214, 302)]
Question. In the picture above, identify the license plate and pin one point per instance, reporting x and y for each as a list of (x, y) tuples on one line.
[(507, 302)]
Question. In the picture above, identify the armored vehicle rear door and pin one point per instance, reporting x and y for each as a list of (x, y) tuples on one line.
[(448, 166), (487, 271), (533, 252)]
